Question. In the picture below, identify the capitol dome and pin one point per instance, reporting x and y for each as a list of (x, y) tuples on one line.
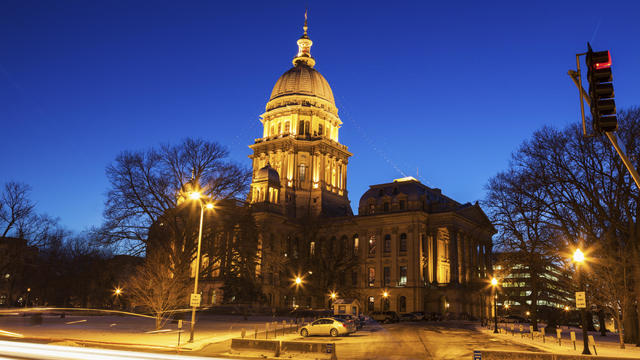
[(302, 80)]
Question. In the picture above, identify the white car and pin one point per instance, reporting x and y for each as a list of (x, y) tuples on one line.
[(328, 326)]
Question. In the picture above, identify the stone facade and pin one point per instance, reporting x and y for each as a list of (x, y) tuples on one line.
[(425, 251)]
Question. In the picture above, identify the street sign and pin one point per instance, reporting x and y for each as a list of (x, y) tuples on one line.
[(179, 324), (195, 300), (581, 299)]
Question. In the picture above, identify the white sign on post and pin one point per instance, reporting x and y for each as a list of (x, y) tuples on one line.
[(195, 300), (581, 300)]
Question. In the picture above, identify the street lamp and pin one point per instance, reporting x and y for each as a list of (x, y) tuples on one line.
[(494, 284), (578, 259), (197, 196), (383, 300)]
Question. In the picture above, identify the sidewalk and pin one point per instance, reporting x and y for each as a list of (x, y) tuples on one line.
[(130, 332), (605, 346)]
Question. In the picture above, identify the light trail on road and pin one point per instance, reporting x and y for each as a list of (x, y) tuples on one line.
[(21, 350)]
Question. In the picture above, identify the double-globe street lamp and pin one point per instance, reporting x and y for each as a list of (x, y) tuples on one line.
[(197, 196), (494, 284), (578, 260)]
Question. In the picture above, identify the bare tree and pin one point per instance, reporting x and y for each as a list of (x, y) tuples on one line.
[(15, 206), (158, 288), (527, 241), (588, 196)]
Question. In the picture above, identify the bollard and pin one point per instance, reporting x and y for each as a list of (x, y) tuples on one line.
[(572, 335), (521, 331), (243, 333), (255, 334), (513, 330), (543, 335), (593, 343), (559, 335), (277, 353), (531, 331), (334, 356)]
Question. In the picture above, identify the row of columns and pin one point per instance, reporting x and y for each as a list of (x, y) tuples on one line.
[(468, 256)]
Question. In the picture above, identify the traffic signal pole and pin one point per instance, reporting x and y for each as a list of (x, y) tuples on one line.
[(584, 97)]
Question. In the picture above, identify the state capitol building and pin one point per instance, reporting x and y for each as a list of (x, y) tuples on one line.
[(410, 248)]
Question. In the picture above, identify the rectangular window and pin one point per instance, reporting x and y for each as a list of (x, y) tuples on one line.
[(402, 204), (312, 248), (372, 245), (354, 278), (387, 243), (319, 129), (387, 276), (303, 172), (356, 244), (403, 242), (386, 206), (287, 127), (403, 276), (371, 278)]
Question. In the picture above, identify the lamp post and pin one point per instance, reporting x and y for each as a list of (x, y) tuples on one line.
[(198, 197), (494, 283), (116, 296), (578, 259)]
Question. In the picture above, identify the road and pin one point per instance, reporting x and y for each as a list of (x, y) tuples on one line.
[(420, 340), (25, 350)]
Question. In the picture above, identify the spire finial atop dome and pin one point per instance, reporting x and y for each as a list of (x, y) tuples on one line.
[(305, 27), (304, 47)]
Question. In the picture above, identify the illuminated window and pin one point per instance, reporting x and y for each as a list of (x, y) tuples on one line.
[(312, 248), (372, 245), (356, 244), (303, 172), (319, 129), (371, 278), (403, 276)]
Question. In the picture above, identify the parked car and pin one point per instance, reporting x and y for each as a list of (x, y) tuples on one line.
[(419, 315), (328, 327), (350, 318), (385, 316), (408, 317), (513, 319)]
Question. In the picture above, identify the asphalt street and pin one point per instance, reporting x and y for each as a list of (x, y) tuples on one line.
[(419, 340)]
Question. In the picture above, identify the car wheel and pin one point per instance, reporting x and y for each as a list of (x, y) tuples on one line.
[(334, 332), (304, 332)]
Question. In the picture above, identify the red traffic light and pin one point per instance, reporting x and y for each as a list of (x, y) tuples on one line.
[(601, 63)]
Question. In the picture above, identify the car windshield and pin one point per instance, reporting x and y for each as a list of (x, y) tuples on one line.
[(341, 320)]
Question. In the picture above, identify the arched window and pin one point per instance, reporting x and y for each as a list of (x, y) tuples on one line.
[(372, 245)]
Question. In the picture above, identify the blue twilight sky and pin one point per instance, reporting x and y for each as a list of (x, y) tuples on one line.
[(449, 89)]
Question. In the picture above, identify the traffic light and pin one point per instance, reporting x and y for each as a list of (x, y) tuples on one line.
[(603, 105)]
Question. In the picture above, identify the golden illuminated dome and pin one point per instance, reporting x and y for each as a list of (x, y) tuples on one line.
[(302, 80)]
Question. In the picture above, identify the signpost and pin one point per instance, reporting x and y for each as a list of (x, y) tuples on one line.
[(581, 300), (573, 339), (179, 332), (195, 299)]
